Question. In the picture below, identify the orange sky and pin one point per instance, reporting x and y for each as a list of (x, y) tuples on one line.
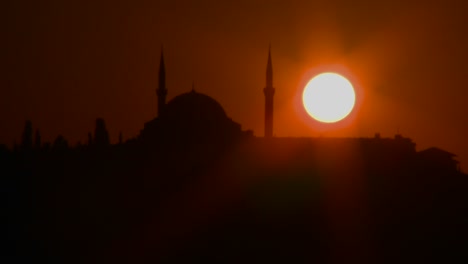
[(68, 62)]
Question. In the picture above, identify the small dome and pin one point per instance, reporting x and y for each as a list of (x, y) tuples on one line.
[(194, 106)]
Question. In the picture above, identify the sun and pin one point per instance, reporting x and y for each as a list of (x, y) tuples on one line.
[(328, 97)]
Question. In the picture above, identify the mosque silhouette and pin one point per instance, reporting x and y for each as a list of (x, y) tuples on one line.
[(193, 187), (198, 118), (194, 116)]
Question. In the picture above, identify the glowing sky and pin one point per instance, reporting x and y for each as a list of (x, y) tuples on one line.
[(64, 63)]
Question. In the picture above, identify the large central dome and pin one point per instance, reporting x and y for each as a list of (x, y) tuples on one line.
[(194, 107), (192, 117)]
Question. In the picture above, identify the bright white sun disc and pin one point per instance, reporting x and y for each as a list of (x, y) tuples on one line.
[(328, 97)]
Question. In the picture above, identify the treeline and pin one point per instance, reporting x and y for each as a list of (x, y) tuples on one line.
[(31, 140)]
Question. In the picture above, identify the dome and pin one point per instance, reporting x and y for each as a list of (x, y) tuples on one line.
[(192, 117), (196, 107)]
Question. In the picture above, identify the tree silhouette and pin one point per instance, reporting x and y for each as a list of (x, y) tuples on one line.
[(60, 143), (37, 140), (101, 135), (26, 140), (90, 139)]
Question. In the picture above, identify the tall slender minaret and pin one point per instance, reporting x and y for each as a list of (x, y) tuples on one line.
[(161, 91), (269, 92)]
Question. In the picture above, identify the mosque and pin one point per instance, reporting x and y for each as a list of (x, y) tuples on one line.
[(194, 118)]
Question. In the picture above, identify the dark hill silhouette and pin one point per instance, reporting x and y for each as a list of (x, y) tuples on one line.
[(276, 200)]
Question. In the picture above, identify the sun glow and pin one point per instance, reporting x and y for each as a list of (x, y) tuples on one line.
[(328, 97)]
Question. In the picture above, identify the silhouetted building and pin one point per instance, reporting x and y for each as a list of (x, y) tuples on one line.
[(192, 117), (189, 117), (269, 92), (437, 158)]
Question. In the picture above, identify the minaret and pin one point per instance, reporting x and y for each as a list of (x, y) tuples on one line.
[(161, 91), (269, 92)]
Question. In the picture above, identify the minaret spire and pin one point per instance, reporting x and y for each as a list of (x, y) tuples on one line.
[(269, 92), (161, 91), (269, 71)]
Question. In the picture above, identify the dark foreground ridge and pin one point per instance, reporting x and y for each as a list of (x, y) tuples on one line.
[(232, 198)]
